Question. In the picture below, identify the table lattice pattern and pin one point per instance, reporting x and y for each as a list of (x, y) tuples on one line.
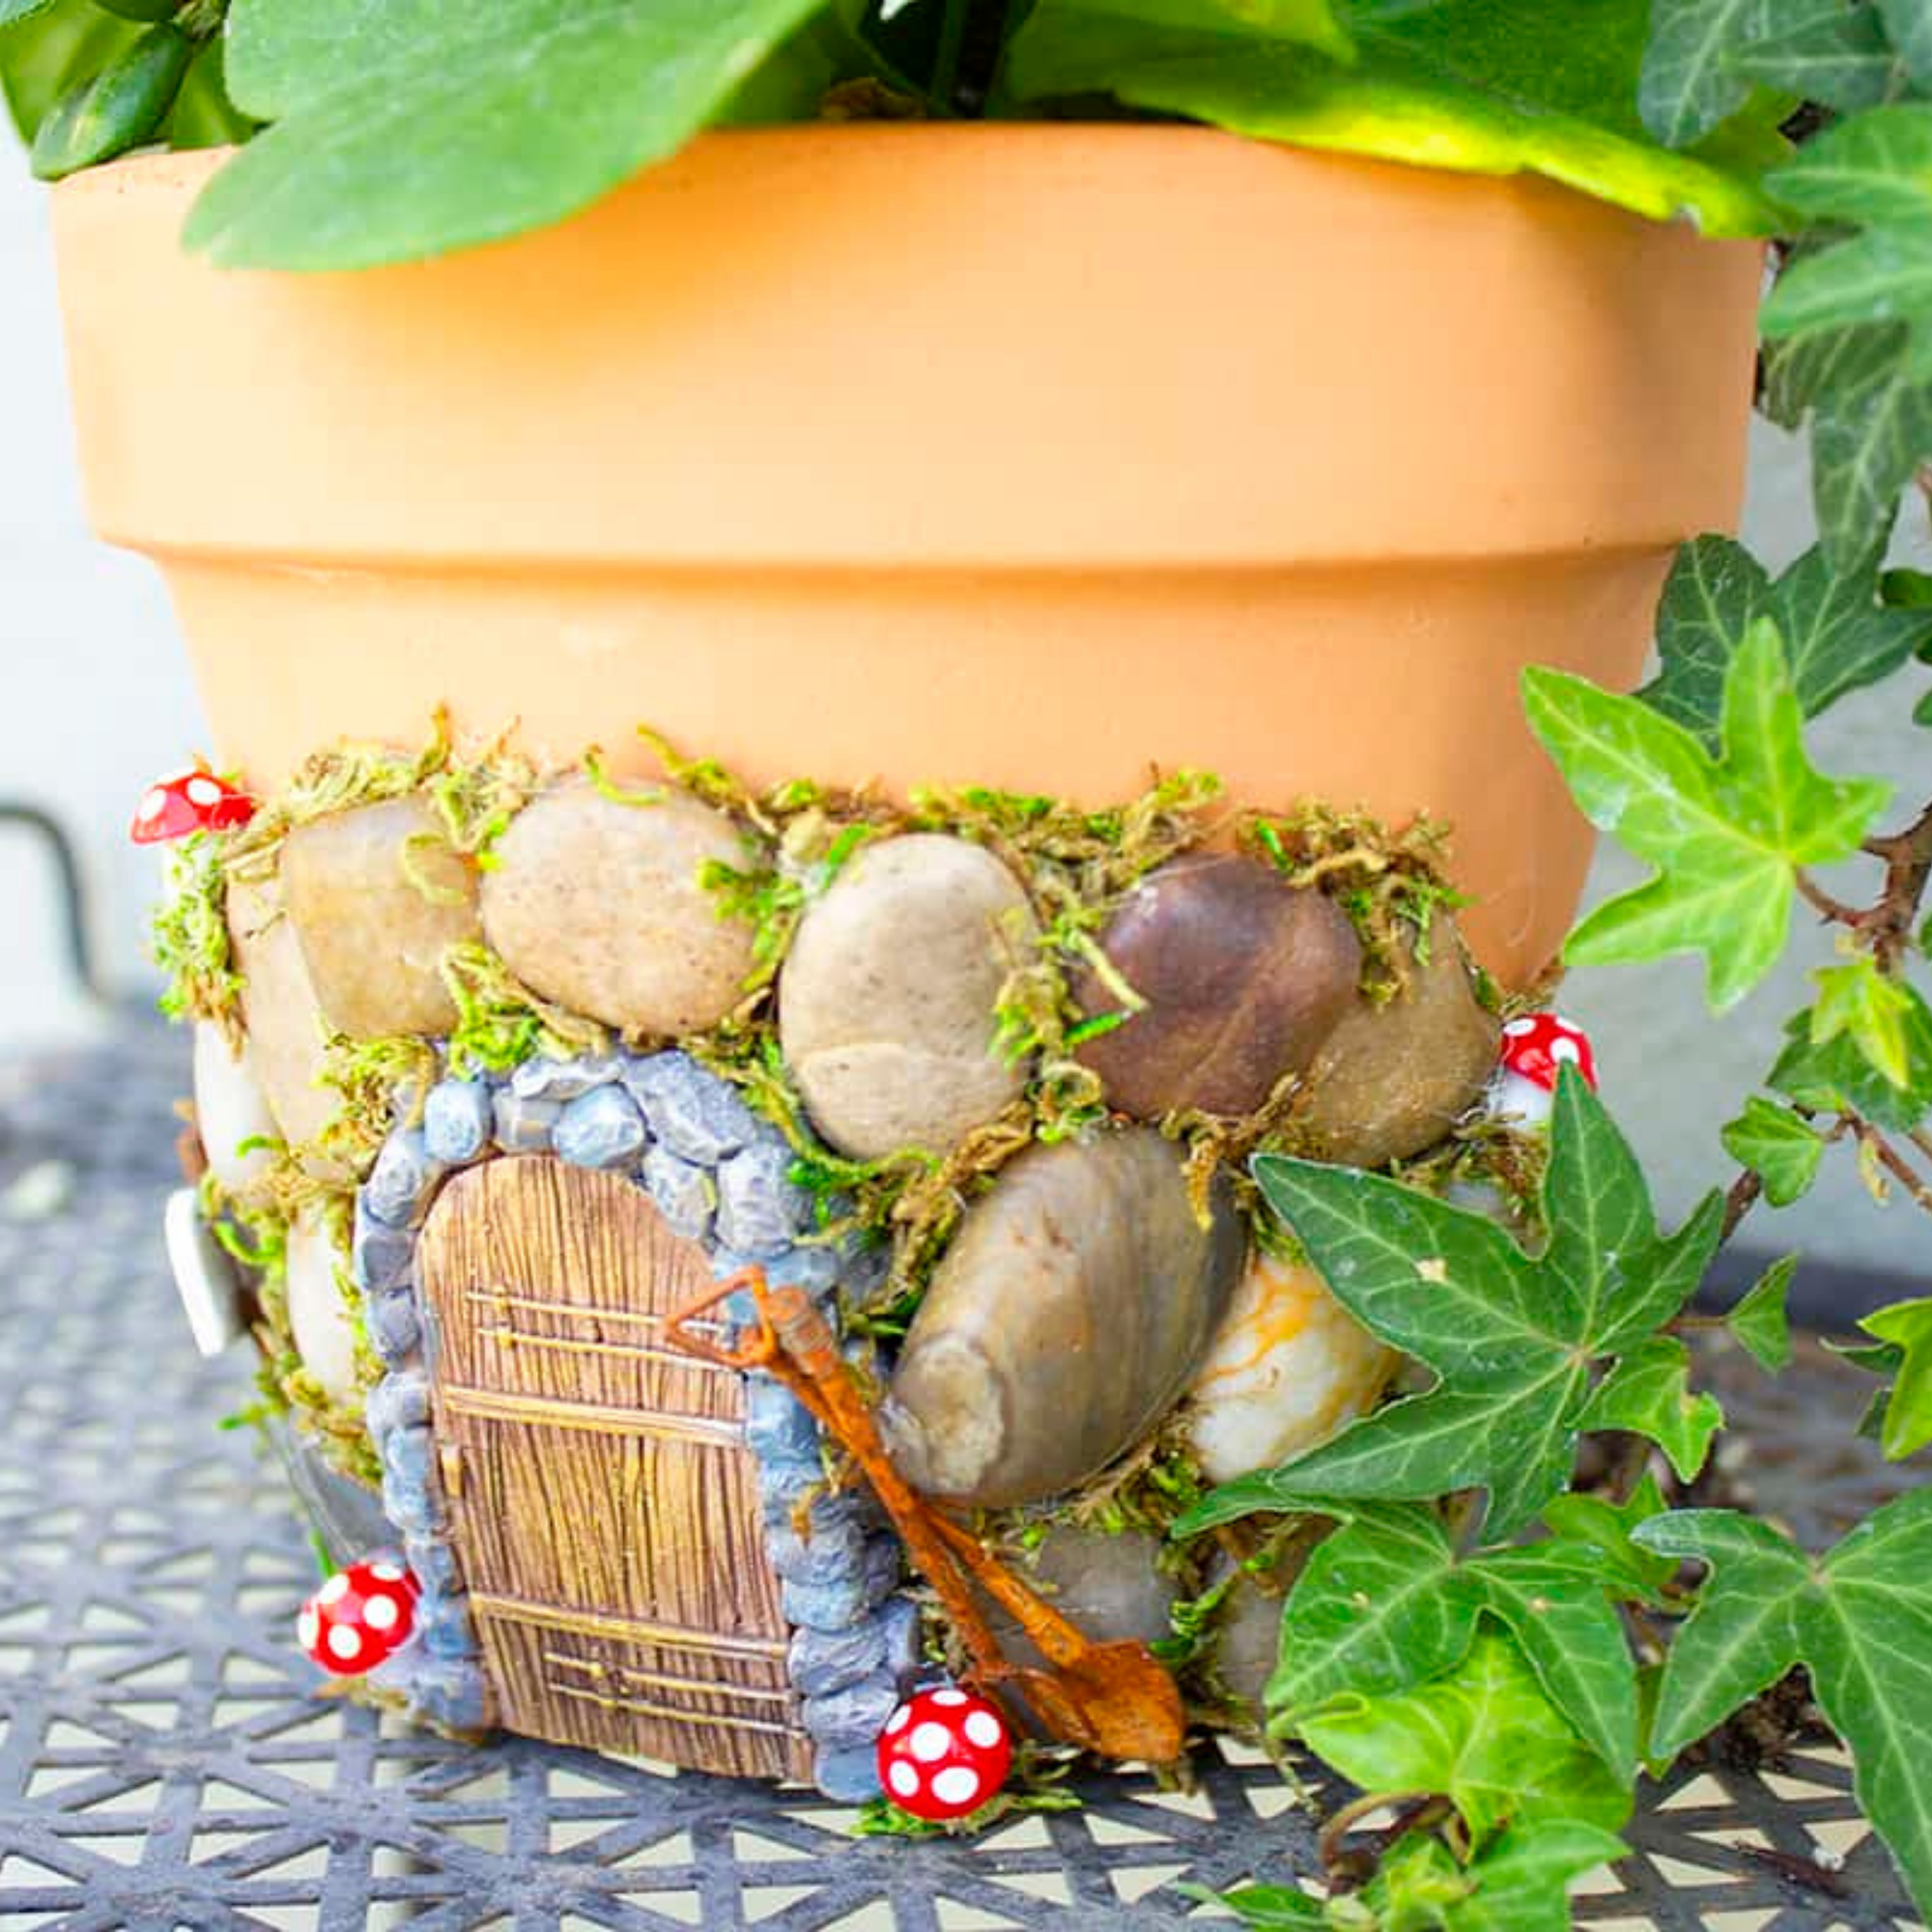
[(165, 1761)]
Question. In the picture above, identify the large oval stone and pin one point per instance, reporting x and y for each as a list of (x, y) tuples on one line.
[(376, 897), (597, 906), (1393, 1079), (1073, 1306), (1110, 1586), (1243, 975), (887, 1000), (1288, 1368), (279, 1009)]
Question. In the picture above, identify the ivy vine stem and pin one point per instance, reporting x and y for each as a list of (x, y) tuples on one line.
[(1886, 924)]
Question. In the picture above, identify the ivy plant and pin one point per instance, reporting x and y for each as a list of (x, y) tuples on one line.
[(1493, 1655)]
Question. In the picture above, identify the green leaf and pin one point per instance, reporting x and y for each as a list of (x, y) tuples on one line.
[(1648, 1391), (1861, 1623), (1836, 1078), (1870, 1009), (203, 116), (51, 52), (1273, 1908), (1839, 58), (1837, 636), (1759, 1321), (418, 126), (1908, 1412), (21, 9), (1691, 81), (1490, 86), (1871, 426), (117, 108), (1594, 1526), (1511, 1338), (1725, 834), (1523, 1880), (1780, 1147), (1909, 24), (1383, 1604), (1485, 1736)]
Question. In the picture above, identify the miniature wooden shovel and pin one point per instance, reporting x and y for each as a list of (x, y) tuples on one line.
[(1113, 1699)]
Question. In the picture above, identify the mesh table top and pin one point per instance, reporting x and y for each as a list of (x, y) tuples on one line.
[(165, 1761)]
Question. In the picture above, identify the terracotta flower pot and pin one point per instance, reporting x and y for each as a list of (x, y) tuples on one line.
[(1025, 456)]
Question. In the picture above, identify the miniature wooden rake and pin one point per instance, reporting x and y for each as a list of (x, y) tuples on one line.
[(1113, 1699)]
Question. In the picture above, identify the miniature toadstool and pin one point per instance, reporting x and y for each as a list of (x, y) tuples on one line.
[(190, 800), (361, 1617), (944, 1753), (1534, 1046)]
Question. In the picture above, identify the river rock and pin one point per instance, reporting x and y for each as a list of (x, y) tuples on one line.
[(1288, 1368), (1248, 1642), (230, 1108), (1075, 1302), (597, 906), (1110, 1586), (284, 1023), (886, 1002), (318, 1312), (1392, 1079), (377, 897), (1243, 975)]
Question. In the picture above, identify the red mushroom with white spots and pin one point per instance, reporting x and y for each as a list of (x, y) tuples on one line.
[(190, 800), (361, 1617), (945, 1753), (1535, 1047)]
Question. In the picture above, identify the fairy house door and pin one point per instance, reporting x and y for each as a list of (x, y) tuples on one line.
[(602, 1503)]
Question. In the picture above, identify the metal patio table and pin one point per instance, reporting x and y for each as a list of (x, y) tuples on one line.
[(167, 1765)]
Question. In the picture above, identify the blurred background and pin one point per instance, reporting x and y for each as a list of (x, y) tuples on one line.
[(96, 698)]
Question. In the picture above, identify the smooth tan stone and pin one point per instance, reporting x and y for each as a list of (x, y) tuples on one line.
[(1288, 1368), (230, 1108), (1243, 975), (887, 1000), (280, 1010), (597, 906), (1075, 1302), (1393, 1079), (376, 898), (319, 1314)]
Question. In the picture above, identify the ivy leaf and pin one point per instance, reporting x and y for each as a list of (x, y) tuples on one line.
[(1907, 1326), (1690, 81), (1840, 57), (1490, 86), (1383, 1604), (1594, 1525), (1859, 1620), (1759, 1321), (1871, 425), (1909, 24), (1271, 1907), (1869, 1008), (1483, 1736), (1523, 1881), (1837, 636), (1836, 1078), (1648, 1391), (415, 128), (21, 10), (1511, 1337), (1874, 172), (1725, 834), (1779, 1148)]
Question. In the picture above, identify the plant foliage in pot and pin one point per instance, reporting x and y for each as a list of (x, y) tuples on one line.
[(933, 1202)]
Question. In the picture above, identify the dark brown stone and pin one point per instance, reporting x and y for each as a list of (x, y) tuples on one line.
[(1245, 978), (1392, 1079)]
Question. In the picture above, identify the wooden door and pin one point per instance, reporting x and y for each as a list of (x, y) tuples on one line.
[(604, 1507)]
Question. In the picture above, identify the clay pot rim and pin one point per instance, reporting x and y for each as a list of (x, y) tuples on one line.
[(1326, 361)]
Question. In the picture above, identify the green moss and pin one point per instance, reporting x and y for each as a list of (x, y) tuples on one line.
[(500, 1022), (190, 938), (1390, 884)]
